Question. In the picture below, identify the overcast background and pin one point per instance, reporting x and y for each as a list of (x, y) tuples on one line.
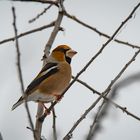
[(105, 15)]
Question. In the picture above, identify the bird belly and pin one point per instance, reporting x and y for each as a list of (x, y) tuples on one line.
[(37, 96)]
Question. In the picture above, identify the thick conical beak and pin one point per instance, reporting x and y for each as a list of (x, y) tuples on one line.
[(71, 53), (74, 52)]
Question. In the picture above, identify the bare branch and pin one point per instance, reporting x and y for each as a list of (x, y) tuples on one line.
[(118, 76), (28, 32), (80, 22), (62, 12), (41, 1), (54, 125), (92, 59), (53, 34), (104, 107), (99, 32), (38, 126), (55, 31), (19, 69), (95, 125), (108, 99), (69, 134), (40, 14)]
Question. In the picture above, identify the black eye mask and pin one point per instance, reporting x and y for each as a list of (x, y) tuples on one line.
[(68, 59)]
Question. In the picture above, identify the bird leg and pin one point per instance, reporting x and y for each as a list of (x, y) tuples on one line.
[(46, 109), (58, 97)]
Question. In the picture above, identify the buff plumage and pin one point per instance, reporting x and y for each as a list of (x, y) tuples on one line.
[(52, 80)]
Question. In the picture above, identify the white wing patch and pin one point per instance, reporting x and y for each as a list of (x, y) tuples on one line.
[(48, 70)]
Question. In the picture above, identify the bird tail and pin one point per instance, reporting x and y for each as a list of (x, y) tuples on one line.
[(19, 102)]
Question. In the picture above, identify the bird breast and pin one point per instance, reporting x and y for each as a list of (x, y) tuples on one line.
[(60, 80)]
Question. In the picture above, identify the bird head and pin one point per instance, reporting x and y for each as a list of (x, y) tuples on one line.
[(63, 53)]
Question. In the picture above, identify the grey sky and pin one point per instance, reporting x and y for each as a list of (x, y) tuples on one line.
[(106, 16)]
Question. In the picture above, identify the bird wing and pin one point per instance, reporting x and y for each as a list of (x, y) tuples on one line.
[(48, 70)]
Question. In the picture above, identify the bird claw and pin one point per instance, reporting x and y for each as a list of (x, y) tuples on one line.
[(47, 112), (58, 98)]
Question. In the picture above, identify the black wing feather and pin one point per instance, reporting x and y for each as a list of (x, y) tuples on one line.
[(48, 66), (37, 81)]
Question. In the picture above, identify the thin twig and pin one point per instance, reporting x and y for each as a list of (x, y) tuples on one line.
[(54, 33), (124, 109), (86, 85), (46, 53), (100, 115), (99, 32), (28, 32), (68, 136), (38, 129), (40, 14), (54, 124), (93, 58), (95, 125), (80, 22), (41, 1), (19, 69)]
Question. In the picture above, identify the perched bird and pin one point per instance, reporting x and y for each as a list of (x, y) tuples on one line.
[(52, 80)]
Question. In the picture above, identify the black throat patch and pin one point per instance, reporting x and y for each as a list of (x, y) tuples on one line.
[(68, 59)]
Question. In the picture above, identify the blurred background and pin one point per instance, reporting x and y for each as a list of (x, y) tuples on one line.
[(106, 16)]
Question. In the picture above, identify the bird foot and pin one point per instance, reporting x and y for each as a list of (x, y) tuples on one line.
[(58, 98), (47, 112)]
